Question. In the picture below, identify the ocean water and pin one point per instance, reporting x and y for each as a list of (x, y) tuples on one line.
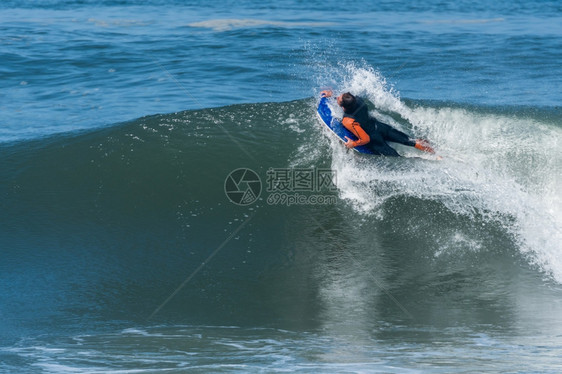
[(171, 204)]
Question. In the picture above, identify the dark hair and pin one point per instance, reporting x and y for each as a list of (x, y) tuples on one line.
[(347, 101)]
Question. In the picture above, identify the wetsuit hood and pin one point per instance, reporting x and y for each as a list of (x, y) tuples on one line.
[(353, 108), (359, 112)]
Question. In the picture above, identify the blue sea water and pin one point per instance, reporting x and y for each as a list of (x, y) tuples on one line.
[(73, 65), (120, 121)]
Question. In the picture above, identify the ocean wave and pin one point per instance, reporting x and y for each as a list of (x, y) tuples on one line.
[(121, 219)]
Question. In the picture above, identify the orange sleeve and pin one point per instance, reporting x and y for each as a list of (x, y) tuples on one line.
[(356, 129)]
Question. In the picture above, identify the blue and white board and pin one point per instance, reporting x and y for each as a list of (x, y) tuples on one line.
[(325, 114)]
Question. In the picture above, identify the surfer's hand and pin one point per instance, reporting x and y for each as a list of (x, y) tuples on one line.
[(423, 145), (349, 143), (326, 93)]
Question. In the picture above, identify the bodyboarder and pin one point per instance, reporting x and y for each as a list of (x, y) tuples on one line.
[(371, 132)]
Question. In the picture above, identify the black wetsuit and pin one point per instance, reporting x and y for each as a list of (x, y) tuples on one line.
[(379, 132)]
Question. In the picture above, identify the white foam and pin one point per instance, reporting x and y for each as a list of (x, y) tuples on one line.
[(234, 23), (497, 167)]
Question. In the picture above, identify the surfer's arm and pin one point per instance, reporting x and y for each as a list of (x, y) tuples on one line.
[(356, 129), (392, 135)]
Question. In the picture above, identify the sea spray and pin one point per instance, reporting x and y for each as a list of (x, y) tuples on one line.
[(498, 167)]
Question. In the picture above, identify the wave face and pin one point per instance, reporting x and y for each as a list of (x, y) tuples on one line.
[(108, 223), (130, 225)]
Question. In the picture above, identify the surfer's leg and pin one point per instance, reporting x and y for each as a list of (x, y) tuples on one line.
[(390, 134)]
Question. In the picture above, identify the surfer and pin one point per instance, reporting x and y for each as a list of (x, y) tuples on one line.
[(371, 132)]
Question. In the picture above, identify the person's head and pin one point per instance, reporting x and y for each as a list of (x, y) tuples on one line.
[(346, 101)]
